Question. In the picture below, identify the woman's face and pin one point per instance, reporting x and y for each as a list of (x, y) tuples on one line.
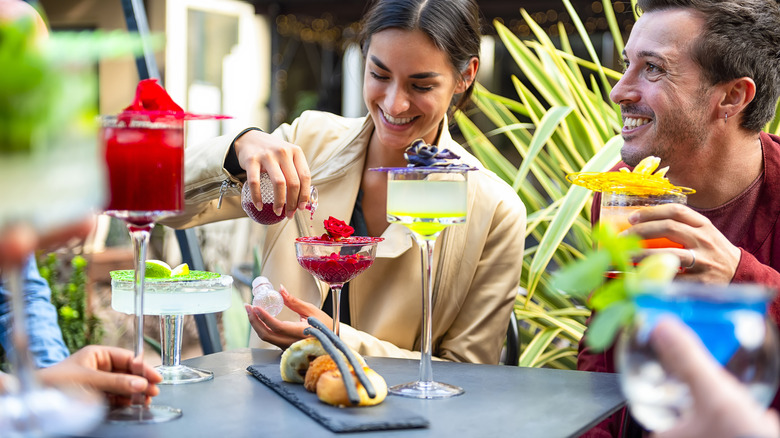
[(408, 86)]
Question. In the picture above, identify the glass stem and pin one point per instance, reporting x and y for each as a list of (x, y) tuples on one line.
[(140, 237), (426, 244), (170, 337), (20, 354), (335, 289)]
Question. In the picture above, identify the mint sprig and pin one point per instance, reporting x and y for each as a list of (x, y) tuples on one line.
[(611, 299)]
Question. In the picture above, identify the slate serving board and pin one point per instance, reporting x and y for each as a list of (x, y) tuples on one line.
[(388, 415)]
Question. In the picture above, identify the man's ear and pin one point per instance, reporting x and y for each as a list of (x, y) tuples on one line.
[(468, 75), (737, 94)]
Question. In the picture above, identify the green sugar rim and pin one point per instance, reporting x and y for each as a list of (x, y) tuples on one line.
[(129, 275)]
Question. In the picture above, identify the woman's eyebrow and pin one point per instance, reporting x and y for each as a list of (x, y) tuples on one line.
[(424, 75)]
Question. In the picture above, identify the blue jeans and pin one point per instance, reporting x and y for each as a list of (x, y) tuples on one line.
[(45, 337)]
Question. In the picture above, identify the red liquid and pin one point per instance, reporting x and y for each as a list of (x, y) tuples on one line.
[(265, 216), (335, 269), (145, 168)]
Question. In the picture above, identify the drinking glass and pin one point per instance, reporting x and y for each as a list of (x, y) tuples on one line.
[(617, 206), (171, 299), (426, 200), (57, 182), (731, 321), (266, 216), (145, 158), (336, 262)]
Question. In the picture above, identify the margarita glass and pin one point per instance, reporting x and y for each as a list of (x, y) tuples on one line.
[(731, 321), (145, 158), (336, 262), (426, 200), (171, 298)]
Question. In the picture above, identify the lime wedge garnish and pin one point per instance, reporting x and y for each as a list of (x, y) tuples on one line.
[(182, 269), (658, 268), (157, 269)]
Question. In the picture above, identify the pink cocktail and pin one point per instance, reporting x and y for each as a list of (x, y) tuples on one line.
[(336, 262)]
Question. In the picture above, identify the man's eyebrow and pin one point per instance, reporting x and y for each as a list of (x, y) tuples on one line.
[(646, 54), (424, 75)]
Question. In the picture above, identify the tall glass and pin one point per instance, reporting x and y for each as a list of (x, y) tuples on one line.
[(427, 200), (731, 321), (171, 299), (53, 184), (336, 262), (145, 158)]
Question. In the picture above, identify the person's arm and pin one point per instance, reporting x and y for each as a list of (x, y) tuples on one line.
[(43, 331), (722, 407), (106, 369)]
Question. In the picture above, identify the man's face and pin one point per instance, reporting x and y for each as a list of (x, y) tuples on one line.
[(665, 103)]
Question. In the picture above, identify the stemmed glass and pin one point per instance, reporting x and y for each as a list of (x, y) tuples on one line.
[(426, 200), (171, 299), (731, 321), (336, 262), (145, 158)]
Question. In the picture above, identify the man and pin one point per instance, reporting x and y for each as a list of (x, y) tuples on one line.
[(702, 79)]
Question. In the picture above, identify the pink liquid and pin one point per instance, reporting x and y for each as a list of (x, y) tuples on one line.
[(335, 269), (145, 169)]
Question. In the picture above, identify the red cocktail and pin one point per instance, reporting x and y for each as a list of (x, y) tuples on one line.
[(336, 262), (145, 165)]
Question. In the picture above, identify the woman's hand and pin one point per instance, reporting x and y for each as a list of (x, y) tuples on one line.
[(106, 369), (285, 165), (285, 333)]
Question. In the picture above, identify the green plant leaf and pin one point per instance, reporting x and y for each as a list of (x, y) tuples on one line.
[(580, 279), (607, 323)]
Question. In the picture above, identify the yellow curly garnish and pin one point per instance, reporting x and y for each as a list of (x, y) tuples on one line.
[(643, 180)]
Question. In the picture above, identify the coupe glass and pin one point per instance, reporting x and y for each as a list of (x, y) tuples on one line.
[(731, 321), (145, 158), (426, 200), (336, 262), (171, 299)]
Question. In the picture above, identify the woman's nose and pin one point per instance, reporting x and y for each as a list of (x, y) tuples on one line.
[(396, 101)]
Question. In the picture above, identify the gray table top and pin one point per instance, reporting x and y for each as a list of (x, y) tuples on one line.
[(499, 401)]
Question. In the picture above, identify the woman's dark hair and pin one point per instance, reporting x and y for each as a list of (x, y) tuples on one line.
[(452, 25), (740, 39)]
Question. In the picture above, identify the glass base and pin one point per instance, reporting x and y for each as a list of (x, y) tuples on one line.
[(47, 411), (427, 390), (180, 374), (137, 414)]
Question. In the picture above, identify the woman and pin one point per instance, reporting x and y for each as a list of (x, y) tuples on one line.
[(420, 55)]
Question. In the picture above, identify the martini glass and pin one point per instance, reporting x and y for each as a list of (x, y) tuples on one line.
[(731, 321), (145, 158), (171, 299), (336, 262), (426, 200)]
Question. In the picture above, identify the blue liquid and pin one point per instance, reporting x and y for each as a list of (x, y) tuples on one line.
[(713, 321)]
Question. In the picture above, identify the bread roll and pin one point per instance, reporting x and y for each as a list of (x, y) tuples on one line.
[(316, 368), (331, 389), (296, 359)]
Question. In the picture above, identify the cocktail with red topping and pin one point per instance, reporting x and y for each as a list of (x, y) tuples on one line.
[(336, 261)]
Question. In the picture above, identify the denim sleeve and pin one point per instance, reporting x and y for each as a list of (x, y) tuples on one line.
[(45, 338)]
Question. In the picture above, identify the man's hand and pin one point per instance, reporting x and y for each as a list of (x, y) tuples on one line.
[(716, 258)]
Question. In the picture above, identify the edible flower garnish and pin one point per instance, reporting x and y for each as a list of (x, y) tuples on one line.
[(643, 180), (336, 229), (421, 154), (152, 101)]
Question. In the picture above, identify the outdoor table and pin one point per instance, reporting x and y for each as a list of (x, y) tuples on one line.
[(499, 401)]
